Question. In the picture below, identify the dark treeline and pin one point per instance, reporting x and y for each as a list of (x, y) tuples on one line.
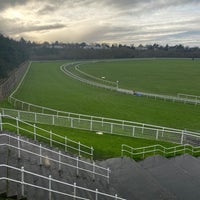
[(12, 52)]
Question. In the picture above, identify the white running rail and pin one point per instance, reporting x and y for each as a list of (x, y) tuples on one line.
[(62, 160), (113, 127)]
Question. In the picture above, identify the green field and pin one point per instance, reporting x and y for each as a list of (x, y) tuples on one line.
[(48, 86), (160, 76)]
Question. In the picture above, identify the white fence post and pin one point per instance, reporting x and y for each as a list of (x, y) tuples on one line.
[(77, 170), (59, 160), (22, 180), (108, 175), (50, 138), (74, 190), (49, 187), (96, 194), (133, 133), (111, 128), (182, 137), (79, 149), (34, 132), (1, 126), (17, 124), (91, 124), (157, 134), (116, 197), (66, 143), (53, 119), (71, 122), (40, 154), (92, 152), (93, 171), (18, 144)]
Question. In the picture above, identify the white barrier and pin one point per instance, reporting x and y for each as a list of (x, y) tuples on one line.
[(76, 191), (39, 133), (113, 127)]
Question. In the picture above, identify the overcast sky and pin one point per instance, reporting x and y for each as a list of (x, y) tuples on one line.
[(111, 21)]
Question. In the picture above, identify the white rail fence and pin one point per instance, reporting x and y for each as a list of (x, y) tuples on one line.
[(66, 69), (8, 122), (53, 188), (102, 79), (159, 149), (62, 160), (117, 127), (179, 98)]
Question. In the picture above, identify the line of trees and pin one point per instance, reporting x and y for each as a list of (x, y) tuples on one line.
[(12, 52)]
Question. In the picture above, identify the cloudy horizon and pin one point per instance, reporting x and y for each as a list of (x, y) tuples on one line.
[(103, 21)]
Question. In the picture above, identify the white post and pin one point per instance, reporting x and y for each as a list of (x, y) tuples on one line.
[(157, 134), (1, 126), (18, 144), (108, 175), (96, 194), (182, 137), (116, 197), (93, 171), (59, 160), (133, 133), (40, 154), (92, 152), (34, 132), (111, 128), (77, 170), (49, 187), (22, 180), (53, 119), (17, 123), (91, 124), (74, 190), (50, 138), (71, 122), (79, 149), (66, 143)]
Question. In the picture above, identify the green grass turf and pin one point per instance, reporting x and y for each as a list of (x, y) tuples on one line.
[(46, 85), (162, 76), (106, 145)]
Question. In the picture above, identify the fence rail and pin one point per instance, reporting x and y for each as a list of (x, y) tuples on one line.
[(117, 127), (62, 160), (37, 133), (159, 149), (65, 68), (23, 180)]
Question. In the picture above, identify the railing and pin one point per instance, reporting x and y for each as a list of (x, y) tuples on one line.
[(62, 160), (37, 133), (24, 179), (118, 127), (142, 152), (65, 69), (94, 77)]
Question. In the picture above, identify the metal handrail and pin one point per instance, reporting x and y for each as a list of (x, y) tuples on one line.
[(50, 180), (77, 161)]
